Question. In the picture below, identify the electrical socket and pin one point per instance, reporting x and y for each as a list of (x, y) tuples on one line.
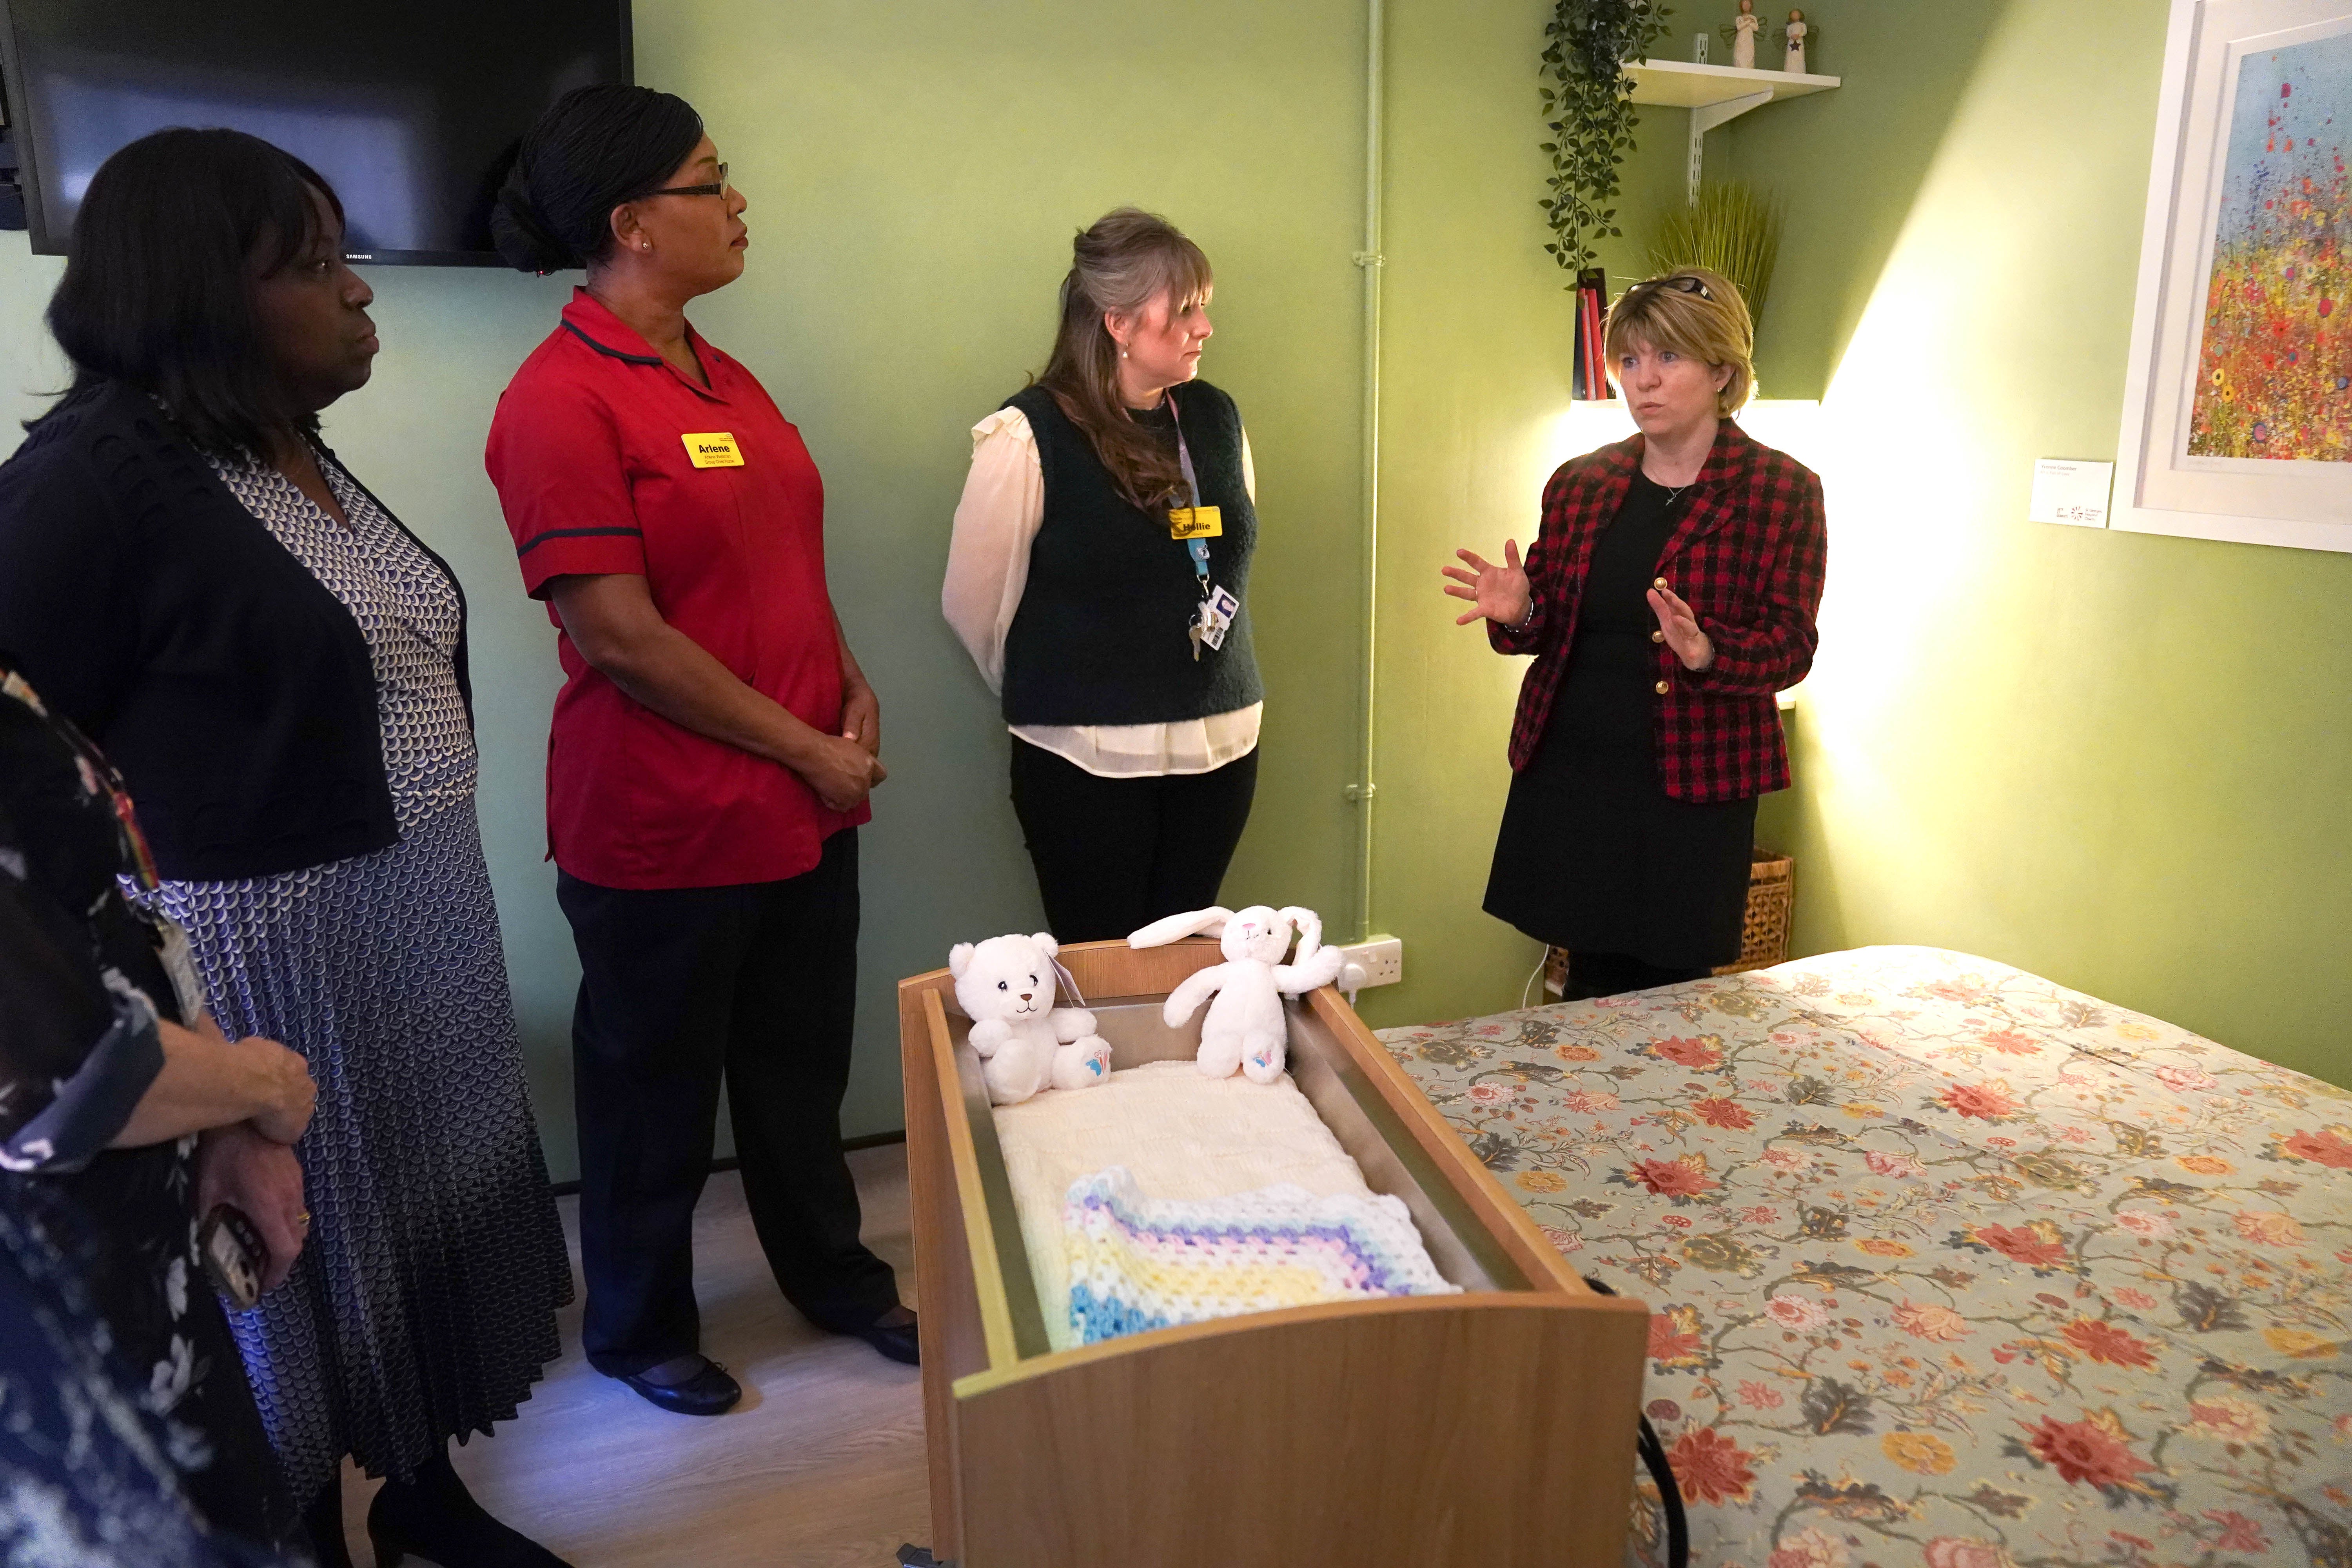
[(1382, 959)]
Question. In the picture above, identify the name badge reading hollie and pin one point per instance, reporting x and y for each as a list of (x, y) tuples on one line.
[(1195, 523), (712, 450)]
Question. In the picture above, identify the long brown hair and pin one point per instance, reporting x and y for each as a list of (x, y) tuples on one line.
[(1128, 259)]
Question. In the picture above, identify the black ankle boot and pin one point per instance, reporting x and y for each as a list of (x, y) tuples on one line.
[(433, 1515)]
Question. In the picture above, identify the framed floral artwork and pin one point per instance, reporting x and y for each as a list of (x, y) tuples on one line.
[(2238, 404)]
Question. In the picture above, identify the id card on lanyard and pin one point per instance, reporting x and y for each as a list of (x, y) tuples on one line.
[(1193, 526), (171, 948)]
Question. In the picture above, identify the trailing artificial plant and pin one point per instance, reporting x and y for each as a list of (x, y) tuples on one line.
[(1732, 227), (1589, 100)]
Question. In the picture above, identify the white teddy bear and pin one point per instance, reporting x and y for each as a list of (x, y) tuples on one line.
[(1245, 1028), (1006, 986)]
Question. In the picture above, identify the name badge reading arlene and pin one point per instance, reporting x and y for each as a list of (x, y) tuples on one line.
[(712, 450), (1195, 523)]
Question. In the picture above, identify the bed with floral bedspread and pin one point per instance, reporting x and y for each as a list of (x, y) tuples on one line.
[(1947, 1265)]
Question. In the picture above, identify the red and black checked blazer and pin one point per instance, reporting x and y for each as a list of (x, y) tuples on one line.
[(1748, 556)]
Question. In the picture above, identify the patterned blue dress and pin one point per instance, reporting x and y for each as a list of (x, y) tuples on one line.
[(424, 1307), (102, 1288), (90, 1473)]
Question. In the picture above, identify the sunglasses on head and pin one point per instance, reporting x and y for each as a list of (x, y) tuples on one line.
[(716, 188), (1681, 283)]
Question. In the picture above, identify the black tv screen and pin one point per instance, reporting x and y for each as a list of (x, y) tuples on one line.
[(409, 108)]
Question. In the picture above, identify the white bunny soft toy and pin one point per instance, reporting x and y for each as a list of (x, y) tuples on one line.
[(1006, 986), (1244, 1027)]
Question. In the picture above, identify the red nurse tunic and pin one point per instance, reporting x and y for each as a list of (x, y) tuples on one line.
[(607, 460)]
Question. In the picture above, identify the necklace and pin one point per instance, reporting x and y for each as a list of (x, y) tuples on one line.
[(1673, 491)]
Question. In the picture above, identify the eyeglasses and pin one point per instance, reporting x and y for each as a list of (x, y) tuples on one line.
[(1681, 283), (716, 188)]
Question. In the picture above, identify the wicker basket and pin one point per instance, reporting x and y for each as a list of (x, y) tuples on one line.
[(1763, 934), (1771, 904)]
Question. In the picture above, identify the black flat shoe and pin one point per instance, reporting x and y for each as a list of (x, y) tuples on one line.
[(710, 1391), (895, 1341)]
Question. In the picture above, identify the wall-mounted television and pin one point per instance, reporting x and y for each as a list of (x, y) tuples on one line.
[(409, 109)]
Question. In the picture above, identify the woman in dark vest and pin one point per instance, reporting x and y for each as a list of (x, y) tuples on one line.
[(1099, 576)]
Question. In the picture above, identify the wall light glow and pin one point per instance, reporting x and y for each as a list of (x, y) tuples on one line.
[(1790, 424)]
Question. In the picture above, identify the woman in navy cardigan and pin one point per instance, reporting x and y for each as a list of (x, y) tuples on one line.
[(1669, 594), (276, 665)]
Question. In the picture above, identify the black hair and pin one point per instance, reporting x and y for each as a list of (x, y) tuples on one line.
[(594, 149), (158, 287)]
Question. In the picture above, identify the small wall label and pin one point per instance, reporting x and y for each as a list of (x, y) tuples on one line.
[(2066, 491)]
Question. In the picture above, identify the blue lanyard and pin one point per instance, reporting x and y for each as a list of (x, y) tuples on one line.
[(1197, 548)]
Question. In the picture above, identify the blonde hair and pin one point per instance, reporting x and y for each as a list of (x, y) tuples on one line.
[(1125, 261), (1713, 328)]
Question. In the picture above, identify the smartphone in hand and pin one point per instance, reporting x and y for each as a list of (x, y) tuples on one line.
[(233, 1255)]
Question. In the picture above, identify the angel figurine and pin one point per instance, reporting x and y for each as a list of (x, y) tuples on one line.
[(1741, 35), (1797, 31)]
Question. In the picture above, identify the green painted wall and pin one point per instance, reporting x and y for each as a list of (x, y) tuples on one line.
[(916, 175), (1475, 403), (916, 172), (2109, 758), (2117, 759)]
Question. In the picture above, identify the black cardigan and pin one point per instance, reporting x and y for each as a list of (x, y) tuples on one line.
[(232, 690)]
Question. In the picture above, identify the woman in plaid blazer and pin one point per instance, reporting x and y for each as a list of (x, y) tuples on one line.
[(1670, 593)]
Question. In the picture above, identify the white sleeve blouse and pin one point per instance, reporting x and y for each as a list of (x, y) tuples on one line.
[(1003, 507)]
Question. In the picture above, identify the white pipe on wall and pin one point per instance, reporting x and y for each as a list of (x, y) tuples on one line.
[(1369, 260)]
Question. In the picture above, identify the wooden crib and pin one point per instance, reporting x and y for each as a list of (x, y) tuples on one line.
[(1491, 1427)]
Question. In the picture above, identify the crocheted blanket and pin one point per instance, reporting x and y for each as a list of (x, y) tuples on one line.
[(1181, 1136), (1138, 1262)]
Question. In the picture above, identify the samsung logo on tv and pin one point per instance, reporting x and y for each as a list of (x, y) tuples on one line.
[(359, 256)]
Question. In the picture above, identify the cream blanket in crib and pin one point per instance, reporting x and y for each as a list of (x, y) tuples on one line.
[(1180, 1135)]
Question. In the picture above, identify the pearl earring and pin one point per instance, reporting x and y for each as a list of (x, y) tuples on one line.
[(1122, 353)]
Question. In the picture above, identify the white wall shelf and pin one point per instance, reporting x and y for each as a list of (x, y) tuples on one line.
[(1716, 94)]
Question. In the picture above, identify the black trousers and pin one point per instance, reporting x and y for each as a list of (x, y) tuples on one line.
[(1591, 975), (1116, 854), (680, 987)]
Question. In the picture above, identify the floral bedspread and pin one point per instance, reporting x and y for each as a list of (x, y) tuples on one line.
[(1947, 1265)]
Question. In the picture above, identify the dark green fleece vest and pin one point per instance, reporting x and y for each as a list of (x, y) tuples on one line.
[(1100, 636)]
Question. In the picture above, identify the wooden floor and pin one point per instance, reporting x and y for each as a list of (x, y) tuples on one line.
[(821, 1466)]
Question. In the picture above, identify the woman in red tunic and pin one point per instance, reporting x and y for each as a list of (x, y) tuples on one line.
[(712, 749)]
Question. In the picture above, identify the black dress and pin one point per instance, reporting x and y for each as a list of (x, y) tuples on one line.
[(1594, 857)]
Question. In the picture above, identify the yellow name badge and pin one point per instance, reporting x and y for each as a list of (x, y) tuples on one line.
[(712, 450), (1195, 523)]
